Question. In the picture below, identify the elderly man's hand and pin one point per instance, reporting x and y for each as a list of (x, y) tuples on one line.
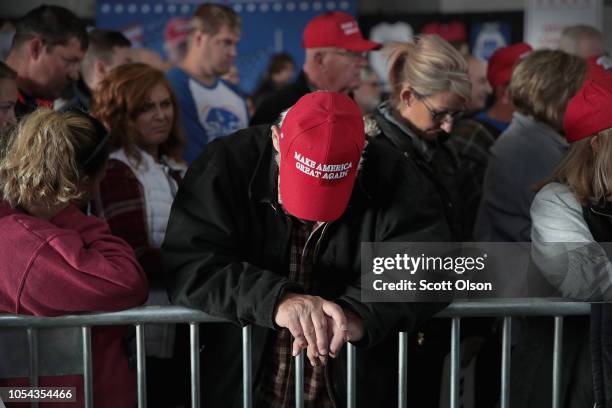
[(316, 324)]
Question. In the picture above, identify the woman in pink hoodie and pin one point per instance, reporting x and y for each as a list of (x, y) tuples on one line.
[(56, 260)]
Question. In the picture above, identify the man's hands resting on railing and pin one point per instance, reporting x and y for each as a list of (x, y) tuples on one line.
[(317, 325)]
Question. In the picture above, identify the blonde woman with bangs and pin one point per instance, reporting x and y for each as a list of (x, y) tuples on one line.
[(572, 220), (55, 259)]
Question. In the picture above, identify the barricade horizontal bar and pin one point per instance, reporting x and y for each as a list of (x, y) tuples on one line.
[(138, 315), (179, 314), (527, 307)]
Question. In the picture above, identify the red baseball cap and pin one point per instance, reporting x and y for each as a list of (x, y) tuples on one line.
[(501, 63), (322, 138), (336, 29), (587, 112), (599, 67)]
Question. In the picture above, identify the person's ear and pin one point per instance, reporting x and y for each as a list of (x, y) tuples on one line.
[(318, 59), (276, 135), (406, 96), (36, 47), (505, 94), (100, 69), (200, 38)]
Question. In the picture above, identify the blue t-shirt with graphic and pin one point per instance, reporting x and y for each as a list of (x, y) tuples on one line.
[(206, 112)]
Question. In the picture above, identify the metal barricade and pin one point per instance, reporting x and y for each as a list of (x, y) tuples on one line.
[(175, 314)]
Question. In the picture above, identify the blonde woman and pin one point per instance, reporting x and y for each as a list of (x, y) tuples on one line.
[(572, 214), (430, 86), (55, 259)]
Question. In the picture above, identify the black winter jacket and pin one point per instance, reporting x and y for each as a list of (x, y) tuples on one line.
[(442, 169), (226, 253)]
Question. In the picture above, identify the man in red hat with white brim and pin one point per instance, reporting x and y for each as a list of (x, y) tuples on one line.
[(266, 230), (335, 54)]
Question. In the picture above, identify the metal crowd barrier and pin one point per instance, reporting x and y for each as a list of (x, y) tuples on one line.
[(175, 314)]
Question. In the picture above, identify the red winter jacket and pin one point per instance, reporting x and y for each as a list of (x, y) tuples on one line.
[(72, 264)]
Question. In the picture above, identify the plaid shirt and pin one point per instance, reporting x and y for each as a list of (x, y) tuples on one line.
[(120, 202), (471, 141), (278, 384)]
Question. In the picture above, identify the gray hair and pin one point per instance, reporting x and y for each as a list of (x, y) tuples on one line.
[(572, 35)]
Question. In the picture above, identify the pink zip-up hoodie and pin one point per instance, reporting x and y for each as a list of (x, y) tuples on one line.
[(73, 264)]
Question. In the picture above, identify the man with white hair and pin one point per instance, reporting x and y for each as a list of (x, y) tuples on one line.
[(335, 54), (581, 40)]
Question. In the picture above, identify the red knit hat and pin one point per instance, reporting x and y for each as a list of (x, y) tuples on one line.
[(322, 138), (501, 63), (588, 111), (336, 29)]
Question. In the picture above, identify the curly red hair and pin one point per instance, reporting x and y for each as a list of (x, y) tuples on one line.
[(120, 98)]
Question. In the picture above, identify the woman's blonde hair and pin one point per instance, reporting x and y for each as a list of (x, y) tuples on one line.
[(47, 154), (428, 65), (543, 83), (587, 174)]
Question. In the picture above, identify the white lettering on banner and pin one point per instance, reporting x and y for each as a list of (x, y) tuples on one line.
[(321, 170)]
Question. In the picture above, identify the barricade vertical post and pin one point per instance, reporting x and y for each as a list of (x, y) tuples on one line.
[(194, 354), (141, 366), (247, 368), (454, 374), (33, 346), (505, 368), (350, 376), (299, 380), (402, 401), (87, 367), (557, 357)]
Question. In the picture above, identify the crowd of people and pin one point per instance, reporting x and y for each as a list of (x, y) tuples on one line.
[(125, 184)]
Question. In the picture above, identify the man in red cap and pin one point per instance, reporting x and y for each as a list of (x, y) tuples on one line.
[(335, 54), (499, 73), (267, 229)]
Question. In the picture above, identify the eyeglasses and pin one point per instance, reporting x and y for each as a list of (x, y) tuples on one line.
[(349, 54), (440, 116)]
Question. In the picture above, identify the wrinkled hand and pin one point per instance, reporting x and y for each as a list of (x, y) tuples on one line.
[(317, 325)]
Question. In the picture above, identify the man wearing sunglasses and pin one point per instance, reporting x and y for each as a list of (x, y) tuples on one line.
[(335, 54)]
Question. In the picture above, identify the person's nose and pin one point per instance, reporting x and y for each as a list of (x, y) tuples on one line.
[(232, 52), (447, 125)]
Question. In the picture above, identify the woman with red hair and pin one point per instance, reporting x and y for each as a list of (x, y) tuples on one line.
[(137, 104)]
